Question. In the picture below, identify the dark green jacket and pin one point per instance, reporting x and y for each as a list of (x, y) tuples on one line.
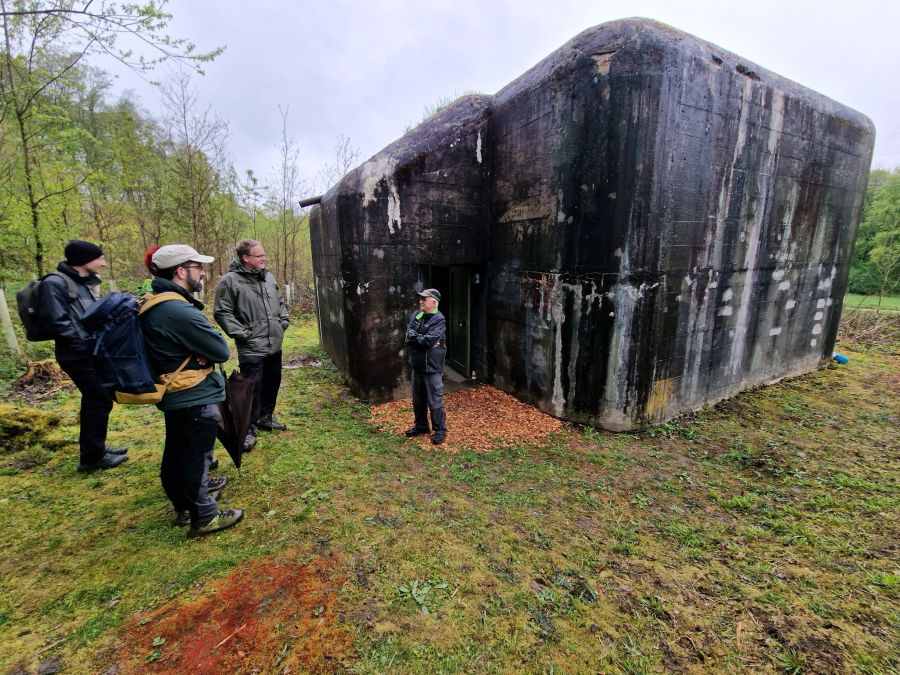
[(174, 329), (250, 309)]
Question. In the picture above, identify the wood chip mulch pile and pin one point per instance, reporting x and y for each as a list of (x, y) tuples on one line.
[(481, 419)]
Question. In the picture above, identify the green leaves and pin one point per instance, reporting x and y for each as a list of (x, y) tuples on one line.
[(422, 592)]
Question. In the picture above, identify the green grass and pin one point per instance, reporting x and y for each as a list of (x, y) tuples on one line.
[(886, 302), (758, 536)]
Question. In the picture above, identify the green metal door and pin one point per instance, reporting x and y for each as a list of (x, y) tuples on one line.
[(458, 317)]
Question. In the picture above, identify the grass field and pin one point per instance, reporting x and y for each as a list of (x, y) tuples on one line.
[(887, 302), (758, 536)]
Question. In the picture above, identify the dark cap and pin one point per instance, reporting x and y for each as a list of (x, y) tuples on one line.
[(80, 252), (431, 293)]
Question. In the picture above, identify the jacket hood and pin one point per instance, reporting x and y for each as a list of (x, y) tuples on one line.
[(237, 266), (69, 271)]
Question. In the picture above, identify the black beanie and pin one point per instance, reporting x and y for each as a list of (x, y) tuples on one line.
[(81, 252)]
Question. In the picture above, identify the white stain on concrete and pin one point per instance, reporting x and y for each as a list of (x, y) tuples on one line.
[(378, 253), (775, 331), (813, 342), (763, 186), (790, 304), (784, 285), (820, 303), (478, 147), (817, 329), (818, 316), (394, 220), (727, 310), (727, 295)]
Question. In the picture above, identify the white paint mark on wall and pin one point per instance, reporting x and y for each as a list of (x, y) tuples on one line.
[(817, 329), (813, 342), (362, 289), (378, 253), (778, 275), (818, 316), (727, 295), (478, 147), (790, 304), (820, 303), (618, 253), (727, 310), (784, 285), (775, 331), (825, 284)]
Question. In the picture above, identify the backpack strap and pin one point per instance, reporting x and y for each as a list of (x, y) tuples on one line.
[(70, 283), (151, 300)]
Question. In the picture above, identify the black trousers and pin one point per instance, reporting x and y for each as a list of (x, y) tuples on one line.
[(265, 371), (96, 404), (428, 394), (190, 436)]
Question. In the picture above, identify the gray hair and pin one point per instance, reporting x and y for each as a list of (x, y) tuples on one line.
[(244, 246)]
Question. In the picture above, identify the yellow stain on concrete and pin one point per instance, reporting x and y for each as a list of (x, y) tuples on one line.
[(660, 395)]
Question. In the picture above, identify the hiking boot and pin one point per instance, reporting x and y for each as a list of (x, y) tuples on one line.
[(270, 424), (107, 461), (439, 437), (214, 464), (416, 431), (221, 521), (249, 441), (216, 484), (111, 450), (183, 518)]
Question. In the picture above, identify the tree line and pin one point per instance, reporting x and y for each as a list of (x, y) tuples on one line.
[(875, 264), (75, 161)]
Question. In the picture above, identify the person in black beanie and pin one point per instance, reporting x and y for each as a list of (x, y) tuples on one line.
[(64, 297)]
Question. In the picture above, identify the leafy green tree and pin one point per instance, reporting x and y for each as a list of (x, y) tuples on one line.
[(45, 43), (875, 265)]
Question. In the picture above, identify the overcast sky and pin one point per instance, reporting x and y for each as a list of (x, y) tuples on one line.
[(366, 69)]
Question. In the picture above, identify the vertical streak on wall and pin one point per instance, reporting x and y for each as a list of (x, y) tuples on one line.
[(558, 316)]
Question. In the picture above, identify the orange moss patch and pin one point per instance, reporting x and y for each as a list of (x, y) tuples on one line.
[(480, 419), (268, 616)]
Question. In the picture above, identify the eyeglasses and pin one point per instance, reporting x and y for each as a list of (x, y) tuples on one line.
[(248, 255), (196, 266)]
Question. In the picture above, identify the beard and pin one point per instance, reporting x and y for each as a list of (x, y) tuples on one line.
[(194, 285)]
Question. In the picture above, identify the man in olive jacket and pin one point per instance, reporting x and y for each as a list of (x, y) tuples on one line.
[(176, 330), (427, 345), (61, 314), (250, 309)]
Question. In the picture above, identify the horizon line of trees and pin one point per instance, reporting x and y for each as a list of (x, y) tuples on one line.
[(875, 263), (77, 163)]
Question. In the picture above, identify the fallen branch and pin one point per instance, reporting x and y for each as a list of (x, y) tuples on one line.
[(229, 637)]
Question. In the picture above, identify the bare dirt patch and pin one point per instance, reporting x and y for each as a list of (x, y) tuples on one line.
[(482, 419), (41, 380), (302, 361), (268, 616)]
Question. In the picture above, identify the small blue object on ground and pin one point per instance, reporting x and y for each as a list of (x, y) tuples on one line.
[(840, 358)]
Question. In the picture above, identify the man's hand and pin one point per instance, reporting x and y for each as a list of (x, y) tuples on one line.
[(411, 335), (202, 361)]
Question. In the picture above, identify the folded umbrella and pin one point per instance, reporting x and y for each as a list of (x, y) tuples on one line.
[(236, 410)]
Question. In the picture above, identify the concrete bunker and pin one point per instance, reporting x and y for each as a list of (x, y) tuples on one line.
[(640, 225)]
